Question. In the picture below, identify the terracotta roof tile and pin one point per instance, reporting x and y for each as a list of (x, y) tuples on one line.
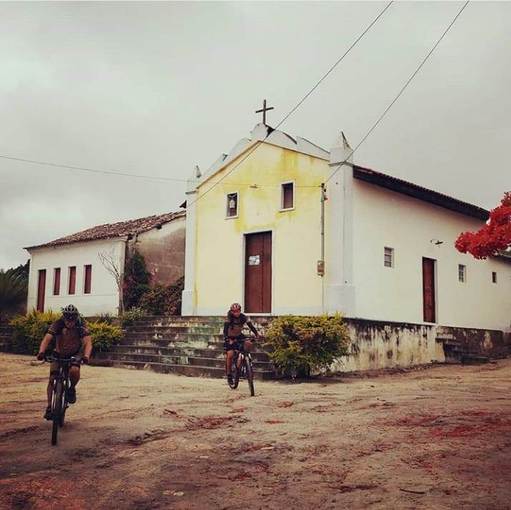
[(113, 230)]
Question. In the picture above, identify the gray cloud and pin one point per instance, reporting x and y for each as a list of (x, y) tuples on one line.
[(155, 88)]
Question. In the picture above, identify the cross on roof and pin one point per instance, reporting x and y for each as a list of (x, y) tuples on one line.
[(264, 110)]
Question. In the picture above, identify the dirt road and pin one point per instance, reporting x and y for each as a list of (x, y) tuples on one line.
[(438, 438)]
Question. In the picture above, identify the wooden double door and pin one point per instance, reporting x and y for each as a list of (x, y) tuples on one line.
[(258, 272)]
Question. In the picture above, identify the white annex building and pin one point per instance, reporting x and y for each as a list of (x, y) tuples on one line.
[(254, 235), (70, 269)]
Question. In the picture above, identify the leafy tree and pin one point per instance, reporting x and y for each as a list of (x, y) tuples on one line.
[(494, 237), (13, 289), (136, 280)]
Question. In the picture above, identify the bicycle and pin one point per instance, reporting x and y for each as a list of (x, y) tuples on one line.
[(59, 403), (242, 368)]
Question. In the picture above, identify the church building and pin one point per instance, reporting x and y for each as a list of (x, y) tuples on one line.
[(284, 226)]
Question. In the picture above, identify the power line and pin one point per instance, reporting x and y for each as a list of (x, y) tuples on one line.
[(92, 170), (335, 65), (380, 118), (253, 149), (125, 174), (257, 145)]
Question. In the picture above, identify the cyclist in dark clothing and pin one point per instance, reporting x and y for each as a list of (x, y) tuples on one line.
[(72, 338), (234, 339)]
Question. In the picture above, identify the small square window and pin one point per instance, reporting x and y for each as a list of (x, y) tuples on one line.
[(388, 257), (494, 277), (232, 205), (287, 196), (462, 273)]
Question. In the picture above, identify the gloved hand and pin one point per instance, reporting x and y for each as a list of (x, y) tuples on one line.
[(85, 360), (40, 356)]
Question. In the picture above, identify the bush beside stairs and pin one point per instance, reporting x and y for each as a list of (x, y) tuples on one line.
[(190, 346)]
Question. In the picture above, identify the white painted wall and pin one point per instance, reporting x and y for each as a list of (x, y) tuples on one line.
[(104, 296), (385, 218)]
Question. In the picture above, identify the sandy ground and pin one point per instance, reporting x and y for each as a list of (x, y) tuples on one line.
[(435, 438)]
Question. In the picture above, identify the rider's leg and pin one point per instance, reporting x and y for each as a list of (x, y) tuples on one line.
[(242, 345), (49, 390), (49, 393), (54, 370), (74, 375), (228, 361)]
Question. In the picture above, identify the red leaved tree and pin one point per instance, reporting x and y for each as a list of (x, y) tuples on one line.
[(494, 237)]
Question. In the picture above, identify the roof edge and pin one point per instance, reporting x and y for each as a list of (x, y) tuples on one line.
[(419, 192), (64, 241)]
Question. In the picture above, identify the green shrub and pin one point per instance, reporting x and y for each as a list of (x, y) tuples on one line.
[(104, 335), (30, 329), (106, 318), (136, 280), (300, 345), (132, 315), (163, 300)]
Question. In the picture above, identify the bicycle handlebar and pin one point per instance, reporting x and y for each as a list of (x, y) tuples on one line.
[(50, 358)]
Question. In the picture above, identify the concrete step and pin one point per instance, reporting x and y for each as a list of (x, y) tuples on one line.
[(195, 343), (180, 341), (180, 321), (172, 335), (214, 352), (189, 370), (182, 359), (213, 330)]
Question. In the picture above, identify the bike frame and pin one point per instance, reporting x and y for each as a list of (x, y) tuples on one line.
[(60, 378), (242, 363)]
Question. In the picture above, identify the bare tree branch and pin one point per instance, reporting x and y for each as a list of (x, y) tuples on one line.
[(110, 263)]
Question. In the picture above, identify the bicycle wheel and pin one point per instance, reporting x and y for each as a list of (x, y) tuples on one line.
[(235, 373), (58, 394), (250, 375), (64, 407)]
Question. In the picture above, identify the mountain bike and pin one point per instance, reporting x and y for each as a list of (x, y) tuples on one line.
[(242, 369), (61, 384)]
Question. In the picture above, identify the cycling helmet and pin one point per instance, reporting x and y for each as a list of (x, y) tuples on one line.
[(70, 312), (235, 307)]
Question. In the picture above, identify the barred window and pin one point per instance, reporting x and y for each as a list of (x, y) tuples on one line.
[(388, 257), (462, 273)]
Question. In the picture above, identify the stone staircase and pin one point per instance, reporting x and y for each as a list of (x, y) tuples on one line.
[(185, 345)]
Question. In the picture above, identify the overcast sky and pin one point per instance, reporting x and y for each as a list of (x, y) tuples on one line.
[(155, 88)]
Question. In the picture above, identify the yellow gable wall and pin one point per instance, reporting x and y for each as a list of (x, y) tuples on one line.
[(220, 264)]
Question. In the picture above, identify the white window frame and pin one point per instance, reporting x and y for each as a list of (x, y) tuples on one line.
[(462, 273), (392, 257), (227, 217), (282, 209)]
